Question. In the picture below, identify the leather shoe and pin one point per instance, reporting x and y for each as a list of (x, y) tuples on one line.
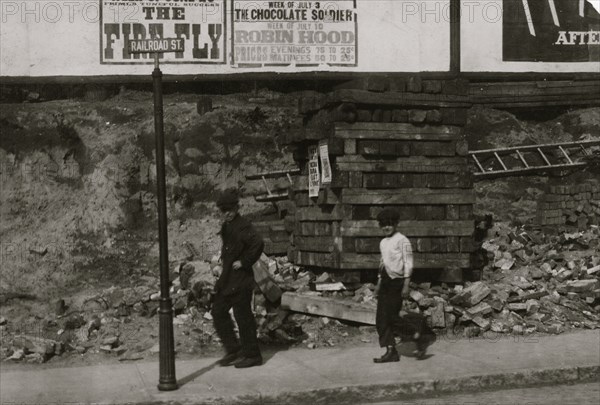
[(389, 356), (249, 362), (230, 358)]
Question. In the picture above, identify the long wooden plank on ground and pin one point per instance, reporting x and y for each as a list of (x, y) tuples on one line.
[(396, 131), (398, 99), (413, 164), (353, 261), (333, 308), (409, 228), (362, 196)]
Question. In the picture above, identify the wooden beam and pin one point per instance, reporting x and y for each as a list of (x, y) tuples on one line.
[(413, 164), (409, 228), (361, 196), (333, 308), (323, 244), (398, 99), (335, 213), (396, 131)]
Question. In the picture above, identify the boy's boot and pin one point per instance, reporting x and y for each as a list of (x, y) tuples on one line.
[(390, 355)]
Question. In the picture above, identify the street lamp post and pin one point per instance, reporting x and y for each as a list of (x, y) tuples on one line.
[(167, 380), (166, 341)]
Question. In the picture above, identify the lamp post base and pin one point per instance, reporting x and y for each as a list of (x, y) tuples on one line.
[(167, 386)]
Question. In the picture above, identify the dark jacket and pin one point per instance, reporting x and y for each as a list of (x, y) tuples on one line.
[(240, 242)]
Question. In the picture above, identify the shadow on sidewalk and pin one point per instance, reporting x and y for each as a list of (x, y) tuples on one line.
[(267, 354), (196, 374)]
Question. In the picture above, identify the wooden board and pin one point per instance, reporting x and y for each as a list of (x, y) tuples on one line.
[(398, 99), (413, 164), (409, 228), (396, 131), (330, 213), (317, 259), (362, 196), (323, 244), (334, 308), (353, 261)]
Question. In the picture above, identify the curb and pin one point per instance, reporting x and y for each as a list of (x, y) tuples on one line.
[(402, 391)]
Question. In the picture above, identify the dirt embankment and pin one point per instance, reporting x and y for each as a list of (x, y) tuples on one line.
[(78, 182)]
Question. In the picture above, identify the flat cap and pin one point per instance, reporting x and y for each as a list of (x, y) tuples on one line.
[(228, 199)]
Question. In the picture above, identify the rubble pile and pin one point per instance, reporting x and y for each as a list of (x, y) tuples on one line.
[(533, 283)]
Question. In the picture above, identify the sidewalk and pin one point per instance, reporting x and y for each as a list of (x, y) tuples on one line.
[(304, 376)]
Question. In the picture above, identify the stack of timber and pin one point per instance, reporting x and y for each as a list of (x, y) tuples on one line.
[(392, 143), (275, 236)]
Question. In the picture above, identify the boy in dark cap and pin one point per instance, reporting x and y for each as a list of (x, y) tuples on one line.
[(242, 247), (395, 271)]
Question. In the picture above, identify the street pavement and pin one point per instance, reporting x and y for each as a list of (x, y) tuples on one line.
[(301, 376)]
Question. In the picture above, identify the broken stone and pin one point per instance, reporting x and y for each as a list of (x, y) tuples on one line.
[(564, 274), (482, 308), (471, 331), (31, 344), (556, 328), (483, 323), (517, 306), (106, 348), (593, 270), (2, 321), (35, 358), (532, 306), (111, 341), (17, 355), (155, 349), (518, 330), (416, 296), (471, 295), (536, 274), (438, 318), (582, 285)]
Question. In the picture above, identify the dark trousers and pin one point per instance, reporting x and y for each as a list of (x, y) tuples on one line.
[(242, 311), (389, 304)]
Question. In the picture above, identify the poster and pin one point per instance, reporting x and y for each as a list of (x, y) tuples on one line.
[(314, 177), (200, 23), (551, 30), (294, 33), (326, 176)]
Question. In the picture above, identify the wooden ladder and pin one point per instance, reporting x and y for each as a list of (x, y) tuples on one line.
[(521, 160), (273, 196)]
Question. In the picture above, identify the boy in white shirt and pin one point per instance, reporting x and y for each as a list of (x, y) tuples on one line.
[(395, 271)]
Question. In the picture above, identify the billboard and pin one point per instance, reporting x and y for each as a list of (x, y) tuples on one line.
[(299, 33), (551, 31), (83, 38), (200, 24)]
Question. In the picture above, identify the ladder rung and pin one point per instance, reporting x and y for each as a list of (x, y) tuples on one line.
[(274, 174), (272, 197), (544, 157), (565, 153), (478, 164), (500, 160), (522, 158)]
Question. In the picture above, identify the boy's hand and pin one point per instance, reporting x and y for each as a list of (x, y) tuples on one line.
[(406, 289), (237, 265)]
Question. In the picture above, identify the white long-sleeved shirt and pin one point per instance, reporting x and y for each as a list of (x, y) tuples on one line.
[(397, 255)]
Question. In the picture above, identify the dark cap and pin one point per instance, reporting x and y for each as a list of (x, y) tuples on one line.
[(388, 216), (228, 199)]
